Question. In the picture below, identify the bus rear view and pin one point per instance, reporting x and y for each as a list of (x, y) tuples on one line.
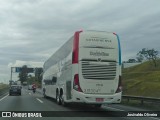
[(96, 69)]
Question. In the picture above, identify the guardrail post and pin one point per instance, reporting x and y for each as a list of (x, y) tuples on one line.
[(141, 102)]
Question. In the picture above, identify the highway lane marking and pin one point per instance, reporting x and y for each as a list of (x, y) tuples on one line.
[(3, 97), (39, 100), (114, 108)]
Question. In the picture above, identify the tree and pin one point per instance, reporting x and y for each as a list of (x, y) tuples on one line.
[(148, 54), (23, 74), (38, 74), (139, 57), (131, 61)]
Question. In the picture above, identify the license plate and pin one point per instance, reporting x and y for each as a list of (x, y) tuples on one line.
[(99, 99)]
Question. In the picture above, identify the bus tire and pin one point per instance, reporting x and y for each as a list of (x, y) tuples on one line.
[(58, 100), (63, 102), (44, 93)]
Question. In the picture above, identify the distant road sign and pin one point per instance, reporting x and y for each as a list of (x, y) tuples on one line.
[(18, 69)]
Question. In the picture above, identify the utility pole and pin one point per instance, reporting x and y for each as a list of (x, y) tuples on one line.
[(11, 73)]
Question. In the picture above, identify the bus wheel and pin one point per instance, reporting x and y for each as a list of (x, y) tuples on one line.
[(63, 102), (44, 93), (58, 100)]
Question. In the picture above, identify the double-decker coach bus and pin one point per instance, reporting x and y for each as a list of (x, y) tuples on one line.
[(86, 69)]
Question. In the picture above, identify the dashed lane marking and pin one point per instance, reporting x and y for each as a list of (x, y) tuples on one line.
[(3, 97), (39, 100), (113, 108)]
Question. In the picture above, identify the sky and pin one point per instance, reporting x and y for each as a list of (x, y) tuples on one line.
[(32, 30)]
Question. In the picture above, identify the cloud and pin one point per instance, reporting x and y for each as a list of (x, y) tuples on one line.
[(32, 30), (30, 64)]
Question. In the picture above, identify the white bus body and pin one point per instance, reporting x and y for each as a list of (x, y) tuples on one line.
[(86, 69)]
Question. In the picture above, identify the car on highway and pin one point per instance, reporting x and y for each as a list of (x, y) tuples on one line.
[(15, 89)]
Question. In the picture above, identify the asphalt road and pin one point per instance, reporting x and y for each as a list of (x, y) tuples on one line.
[(30, 101)]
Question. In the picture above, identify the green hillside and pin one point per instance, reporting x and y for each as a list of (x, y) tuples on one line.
[(3, 86), (142, 80)]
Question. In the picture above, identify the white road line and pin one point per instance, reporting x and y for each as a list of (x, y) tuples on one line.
[(3, 97), (39, 100), (113, 108)]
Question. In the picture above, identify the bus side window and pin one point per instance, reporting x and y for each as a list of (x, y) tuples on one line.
[(54, 80)]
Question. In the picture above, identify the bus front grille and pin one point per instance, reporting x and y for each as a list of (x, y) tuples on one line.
[(99, 70)]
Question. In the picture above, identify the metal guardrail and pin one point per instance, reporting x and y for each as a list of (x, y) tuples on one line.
[(141, 98)]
